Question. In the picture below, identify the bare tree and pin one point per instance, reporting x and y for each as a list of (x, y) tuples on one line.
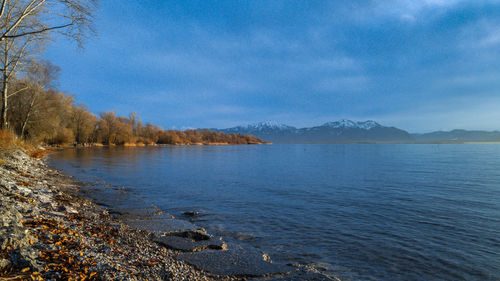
[(12, 57), (40, 76), (72, 18), (25, 26), (83, 123)]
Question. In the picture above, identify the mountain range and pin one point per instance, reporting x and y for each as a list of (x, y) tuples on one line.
[(348, 131)]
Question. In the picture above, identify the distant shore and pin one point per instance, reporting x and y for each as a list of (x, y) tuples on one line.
[(140, 144)]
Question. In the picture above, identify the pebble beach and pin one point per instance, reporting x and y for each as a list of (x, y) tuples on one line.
[(48, 232)]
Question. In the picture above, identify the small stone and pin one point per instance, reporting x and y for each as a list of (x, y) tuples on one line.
[(266, 257), (71, 210), (4, 263)]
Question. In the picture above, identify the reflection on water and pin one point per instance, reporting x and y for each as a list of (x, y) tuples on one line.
[(382, 212)]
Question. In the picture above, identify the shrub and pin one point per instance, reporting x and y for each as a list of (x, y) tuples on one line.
[(62, 137), (8, 140)]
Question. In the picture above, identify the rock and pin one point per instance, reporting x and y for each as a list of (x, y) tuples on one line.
[(191, 213), (71, 210), (190, 245), (24, 190), (197, 235), (266, 257), (4, 263), (234, 262), (45, 198)]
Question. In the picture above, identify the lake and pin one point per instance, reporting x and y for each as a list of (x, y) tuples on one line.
[(358, 212)]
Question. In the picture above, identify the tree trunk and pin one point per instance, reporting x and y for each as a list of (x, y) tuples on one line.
[(3, 119), (23, 128), (28, 114)]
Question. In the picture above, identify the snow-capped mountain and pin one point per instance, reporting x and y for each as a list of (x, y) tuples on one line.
[(267, 126), (344, 123), (342, 131), (348, 131)]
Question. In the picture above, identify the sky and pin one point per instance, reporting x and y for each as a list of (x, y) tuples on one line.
[(417, 65)]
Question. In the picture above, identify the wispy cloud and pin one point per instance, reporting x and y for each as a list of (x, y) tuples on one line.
[(412, 8), (408, 11), (483, 34)]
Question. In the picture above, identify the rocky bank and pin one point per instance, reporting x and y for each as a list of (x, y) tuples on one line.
[(48, 231)]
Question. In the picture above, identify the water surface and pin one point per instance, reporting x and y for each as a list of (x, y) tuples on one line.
[(360, 212)]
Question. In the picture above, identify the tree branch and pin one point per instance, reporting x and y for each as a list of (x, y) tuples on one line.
[(18, 91), (17, 59), (26, 12), (2, 8), (37, 31)]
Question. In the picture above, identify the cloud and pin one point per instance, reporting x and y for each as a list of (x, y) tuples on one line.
[(484, 34), (408, 11), (412, 7)]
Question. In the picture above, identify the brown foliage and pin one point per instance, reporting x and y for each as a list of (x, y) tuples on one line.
[(61, 261), (204, 137), (8, 140)]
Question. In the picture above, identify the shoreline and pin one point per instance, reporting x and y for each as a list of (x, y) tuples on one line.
[(51, 232)]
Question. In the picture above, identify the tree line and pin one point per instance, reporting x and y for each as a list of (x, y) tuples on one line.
[(41, 113)]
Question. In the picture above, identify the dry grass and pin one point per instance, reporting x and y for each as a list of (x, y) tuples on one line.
[(37, 153), (10, 142)]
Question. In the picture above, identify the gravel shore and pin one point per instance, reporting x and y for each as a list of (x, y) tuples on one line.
[(49, 232)]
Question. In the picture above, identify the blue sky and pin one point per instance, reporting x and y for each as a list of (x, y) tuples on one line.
[(418, 65)]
